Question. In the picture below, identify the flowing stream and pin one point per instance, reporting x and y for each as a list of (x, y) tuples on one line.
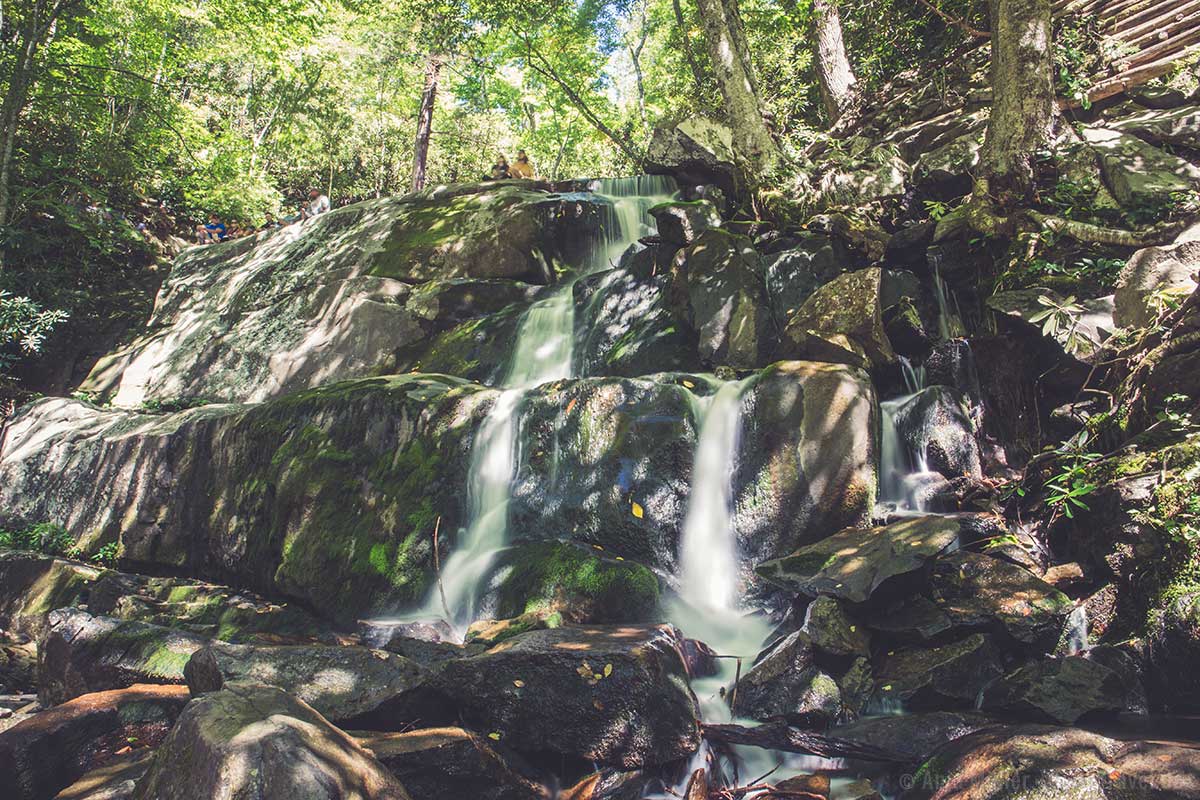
[(543, 352)]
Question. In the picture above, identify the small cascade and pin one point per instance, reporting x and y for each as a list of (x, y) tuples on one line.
[(543, 352), (949, 321), (1075, 637), (902, 472), (707, 607)]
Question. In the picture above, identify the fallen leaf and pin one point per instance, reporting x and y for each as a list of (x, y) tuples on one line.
[(571, 404), (689, 384), (519, 683), (596, 704), (620, 558), (1114, 775), (637, 510), (607, 670), (597, 547), (495, 737)]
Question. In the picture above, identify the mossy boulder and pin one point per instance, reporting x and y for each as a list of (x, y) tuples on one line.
[(329, 496), (80, 653), (794, 274), (336, 296), (577, 583), (1061, 690), (849, 305), (680, 223), (32, 585), (626, 325), (950, 675), (936, 429), (721, 276), (786, 682)]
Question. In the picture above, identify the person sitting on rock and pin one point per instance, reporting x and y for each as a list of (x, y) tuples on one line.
[(270, 224), (318, 204), (523, 168), (500, 170), (212, 231)]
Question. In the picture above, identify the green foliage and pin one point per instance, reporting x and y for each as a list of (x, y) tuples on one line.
[(1071, 483), (42, 537), (24, 325), (1060, 320)]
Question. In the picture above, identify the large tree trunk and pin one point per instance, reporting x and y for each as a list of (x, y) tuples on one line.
[(1022, 118), (731, 62), (834, 73), (433, 70)]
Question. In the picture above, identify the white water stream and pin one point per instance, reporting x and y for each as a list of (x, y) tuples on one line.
[(543, 352)]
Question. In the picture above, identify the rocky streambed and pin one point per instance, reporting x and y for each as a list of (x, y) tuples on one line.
[(723, 500)]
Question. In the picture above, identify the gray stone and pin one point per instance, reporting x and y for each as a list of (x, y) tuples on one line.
[(850, 306), (914, 735), (952, 674), (355, 686), (79, 654), (945, 172), (853, 563), (830, 628), (935, 426), (1180, 126), (696, 151), (680, 223), (1170, 269), (616, 695), (1059, 690), (1141, 176), (250, 742), (786, 683)]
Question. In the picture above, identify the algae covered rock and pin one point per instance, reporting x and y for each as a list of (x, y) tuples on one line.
[(935, 426), (853, 563), (1059, 690), (578, 584), (1142, 177), (257, 743), (329, 496), (80, 653), (617, 695), (355, 686), (785, 682), (696, 151), (795, 273), (831, 629), (952, 674)]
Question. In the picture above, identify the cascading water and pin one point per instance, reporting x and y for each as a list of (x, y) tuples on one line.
[(543, 353)]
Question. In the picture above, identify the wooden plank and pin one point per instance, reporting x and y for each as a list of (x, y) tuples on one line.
[(1164, 31), (1129, 79), (1155, 10), (1161, 50), (1178, 16)]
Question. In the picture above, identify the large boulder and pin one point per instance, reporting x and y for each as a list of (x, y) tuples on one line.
[(914, 735), (615, 695), (726, 299), (329, 496), (831, 629), (1142, 177), (352, 686), (453, 762), (50, 750), (854, 562), (696, 151), (785, 682), (681, 223), (79, 654), (250, 742), (793, 275), (1060, 690), (335, 297), (1175, 649), (32, 585), (849, 305), (973, 590), (945, 172), (808, 457), (953, 674), (1036, 762), (627, 325), (1177, 126), (1168, 269), (1094, 322)]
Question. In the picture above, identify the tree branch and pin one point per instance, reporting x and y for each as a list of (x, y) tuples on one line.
[(961, 24)]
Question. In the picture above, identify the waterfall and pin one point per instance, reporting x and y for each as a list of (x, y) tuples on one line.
[(707, 607), (949, 322), (543, 352)]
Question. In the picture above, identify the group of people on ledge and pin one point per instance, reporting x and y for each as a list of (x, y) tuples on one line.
[(217, 231), (521, 168)]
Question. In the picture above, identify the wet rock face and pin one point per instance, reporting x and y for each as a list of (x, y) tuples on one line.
[(1176, 650), (616, 695), (452, 762), (953, 674), (787, 683), (80, 653), (794, 274), (258, 743), (335, 297), (47, 752), (936, 424), (1035, 761), (352, 686), (914, 735), (627, 325)]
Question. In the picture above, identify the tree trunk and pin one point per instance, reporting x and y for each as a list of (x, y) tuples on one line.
[(1022, 116), (697, 73), (834, 73), (433, 69), (743, 111)]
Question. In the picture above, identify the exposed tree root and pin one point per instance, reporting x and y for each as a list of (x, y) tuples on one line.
[(1164, 233)]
